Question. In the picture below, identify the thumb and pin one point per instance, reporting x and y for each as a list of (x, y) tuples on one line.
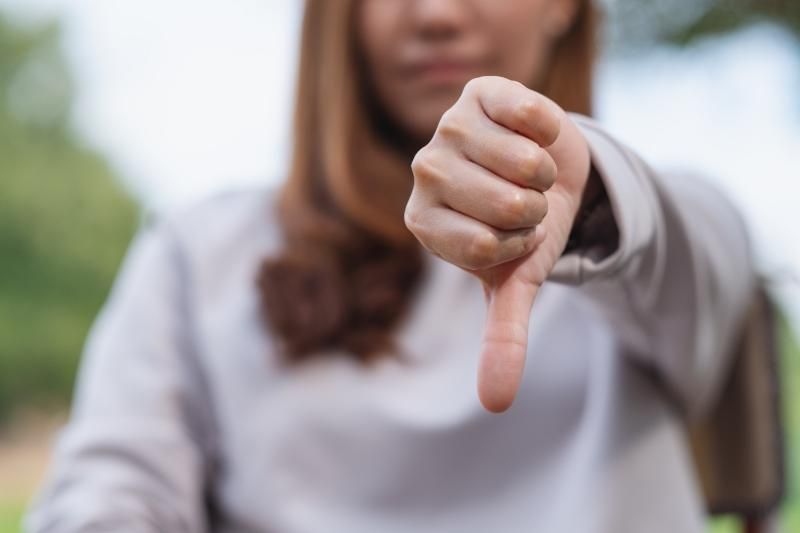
[(505, 342)]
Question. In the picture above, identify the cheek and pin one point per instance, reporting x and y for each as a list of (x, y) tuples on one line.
[(523, 56), (519, 34), (419, 114), (379, 28), (374, 29), (414, 108), (416, 112)]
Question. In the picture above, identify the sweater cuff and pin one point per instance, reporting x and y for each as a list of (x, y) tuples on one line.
[(632, 205)]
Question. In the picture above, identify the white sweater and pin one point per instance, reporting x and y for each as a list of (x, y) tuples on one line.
[(185, 422)]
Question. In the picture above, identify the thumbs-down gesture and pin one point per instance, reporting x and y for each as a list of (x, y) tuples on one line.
[(496, 192)]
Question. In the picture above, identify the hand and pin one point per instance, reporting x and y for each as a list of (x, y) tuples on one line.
[(496, 192)]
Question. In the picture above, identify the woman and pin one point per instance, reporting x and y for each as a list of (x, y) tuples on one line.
[(303, 360)]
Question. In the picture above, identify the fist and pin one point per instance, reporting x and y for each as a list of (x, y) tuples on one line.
[(496, 192)]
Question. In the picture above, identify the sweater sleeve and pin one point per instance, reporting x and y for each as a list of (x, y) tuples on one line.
[(680, 278), (133, 456)]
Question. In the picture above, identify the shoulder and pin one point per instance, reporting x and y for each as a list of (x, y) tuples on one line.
[(206, 242), (222, 214), (221, 223)]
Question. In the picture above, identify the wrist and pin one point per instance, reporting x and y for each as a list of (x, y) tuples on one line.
[(594, 222)]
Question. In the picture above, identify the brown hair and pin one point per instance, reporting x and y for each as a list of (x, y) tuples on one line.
[(349, 267)]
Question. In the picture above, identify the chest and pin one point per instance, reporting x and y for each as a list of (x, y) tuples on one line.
[(402, 434)]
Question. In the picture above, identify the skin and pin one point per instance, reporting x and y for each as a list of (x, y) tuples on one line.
[(498, 184)]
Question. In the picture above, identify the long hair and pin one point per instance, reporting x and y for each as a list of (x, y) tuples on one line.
[(350, 267)]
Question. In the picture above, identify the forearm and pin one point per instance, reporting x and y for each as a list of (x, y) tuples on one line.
[(677, 281)]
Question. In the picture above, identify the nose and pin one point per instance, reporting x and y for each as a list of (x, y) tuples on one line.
[(440, 19)]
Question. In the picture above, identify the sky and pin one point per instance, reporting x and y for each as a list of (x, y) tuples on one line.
[(190, 97), (185, 96)]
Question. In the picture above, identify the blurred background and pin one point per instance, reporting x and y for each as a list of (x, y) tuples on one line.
[(113, 110)]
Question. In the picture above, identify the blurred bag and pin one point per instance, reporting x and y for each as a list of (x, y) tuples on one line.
[(738, 449)]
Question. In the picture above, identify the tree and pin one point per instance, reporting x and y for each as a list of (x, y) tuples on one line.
[(64, 223)]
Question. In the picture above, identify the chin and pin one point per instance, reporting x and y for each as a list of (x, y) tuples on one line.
[(421, 121), (423, 130)]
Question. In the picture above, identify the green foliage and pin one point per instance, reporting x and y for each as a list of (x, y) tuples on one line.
[(11, 517), (790, 387), (640, 23), (64, 224), (725, 524), (729, 15)]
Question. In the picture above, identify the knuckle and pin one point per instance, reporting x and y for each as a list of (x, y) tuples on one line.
[(540, 209), (424, 169), (522, 243), (419, 225), (555, 115), (411, 218), (529, 163), (548, 178), (528, 241), (520, 84), (481, 250), (557, 130), (452, 126), (419, 162), (550, 136), (471, 85), (516, 210), (528, 110), (475, 84)]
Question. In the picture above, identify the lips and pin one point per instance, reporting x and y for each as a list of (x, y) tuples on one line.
[(442, 71)]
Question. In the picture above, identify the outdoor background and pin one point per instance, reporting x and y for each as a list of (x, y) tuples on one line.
[(111, 110)]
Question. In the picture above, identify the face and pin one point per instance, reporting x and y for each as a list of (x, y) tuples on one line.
[(420, 53)]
